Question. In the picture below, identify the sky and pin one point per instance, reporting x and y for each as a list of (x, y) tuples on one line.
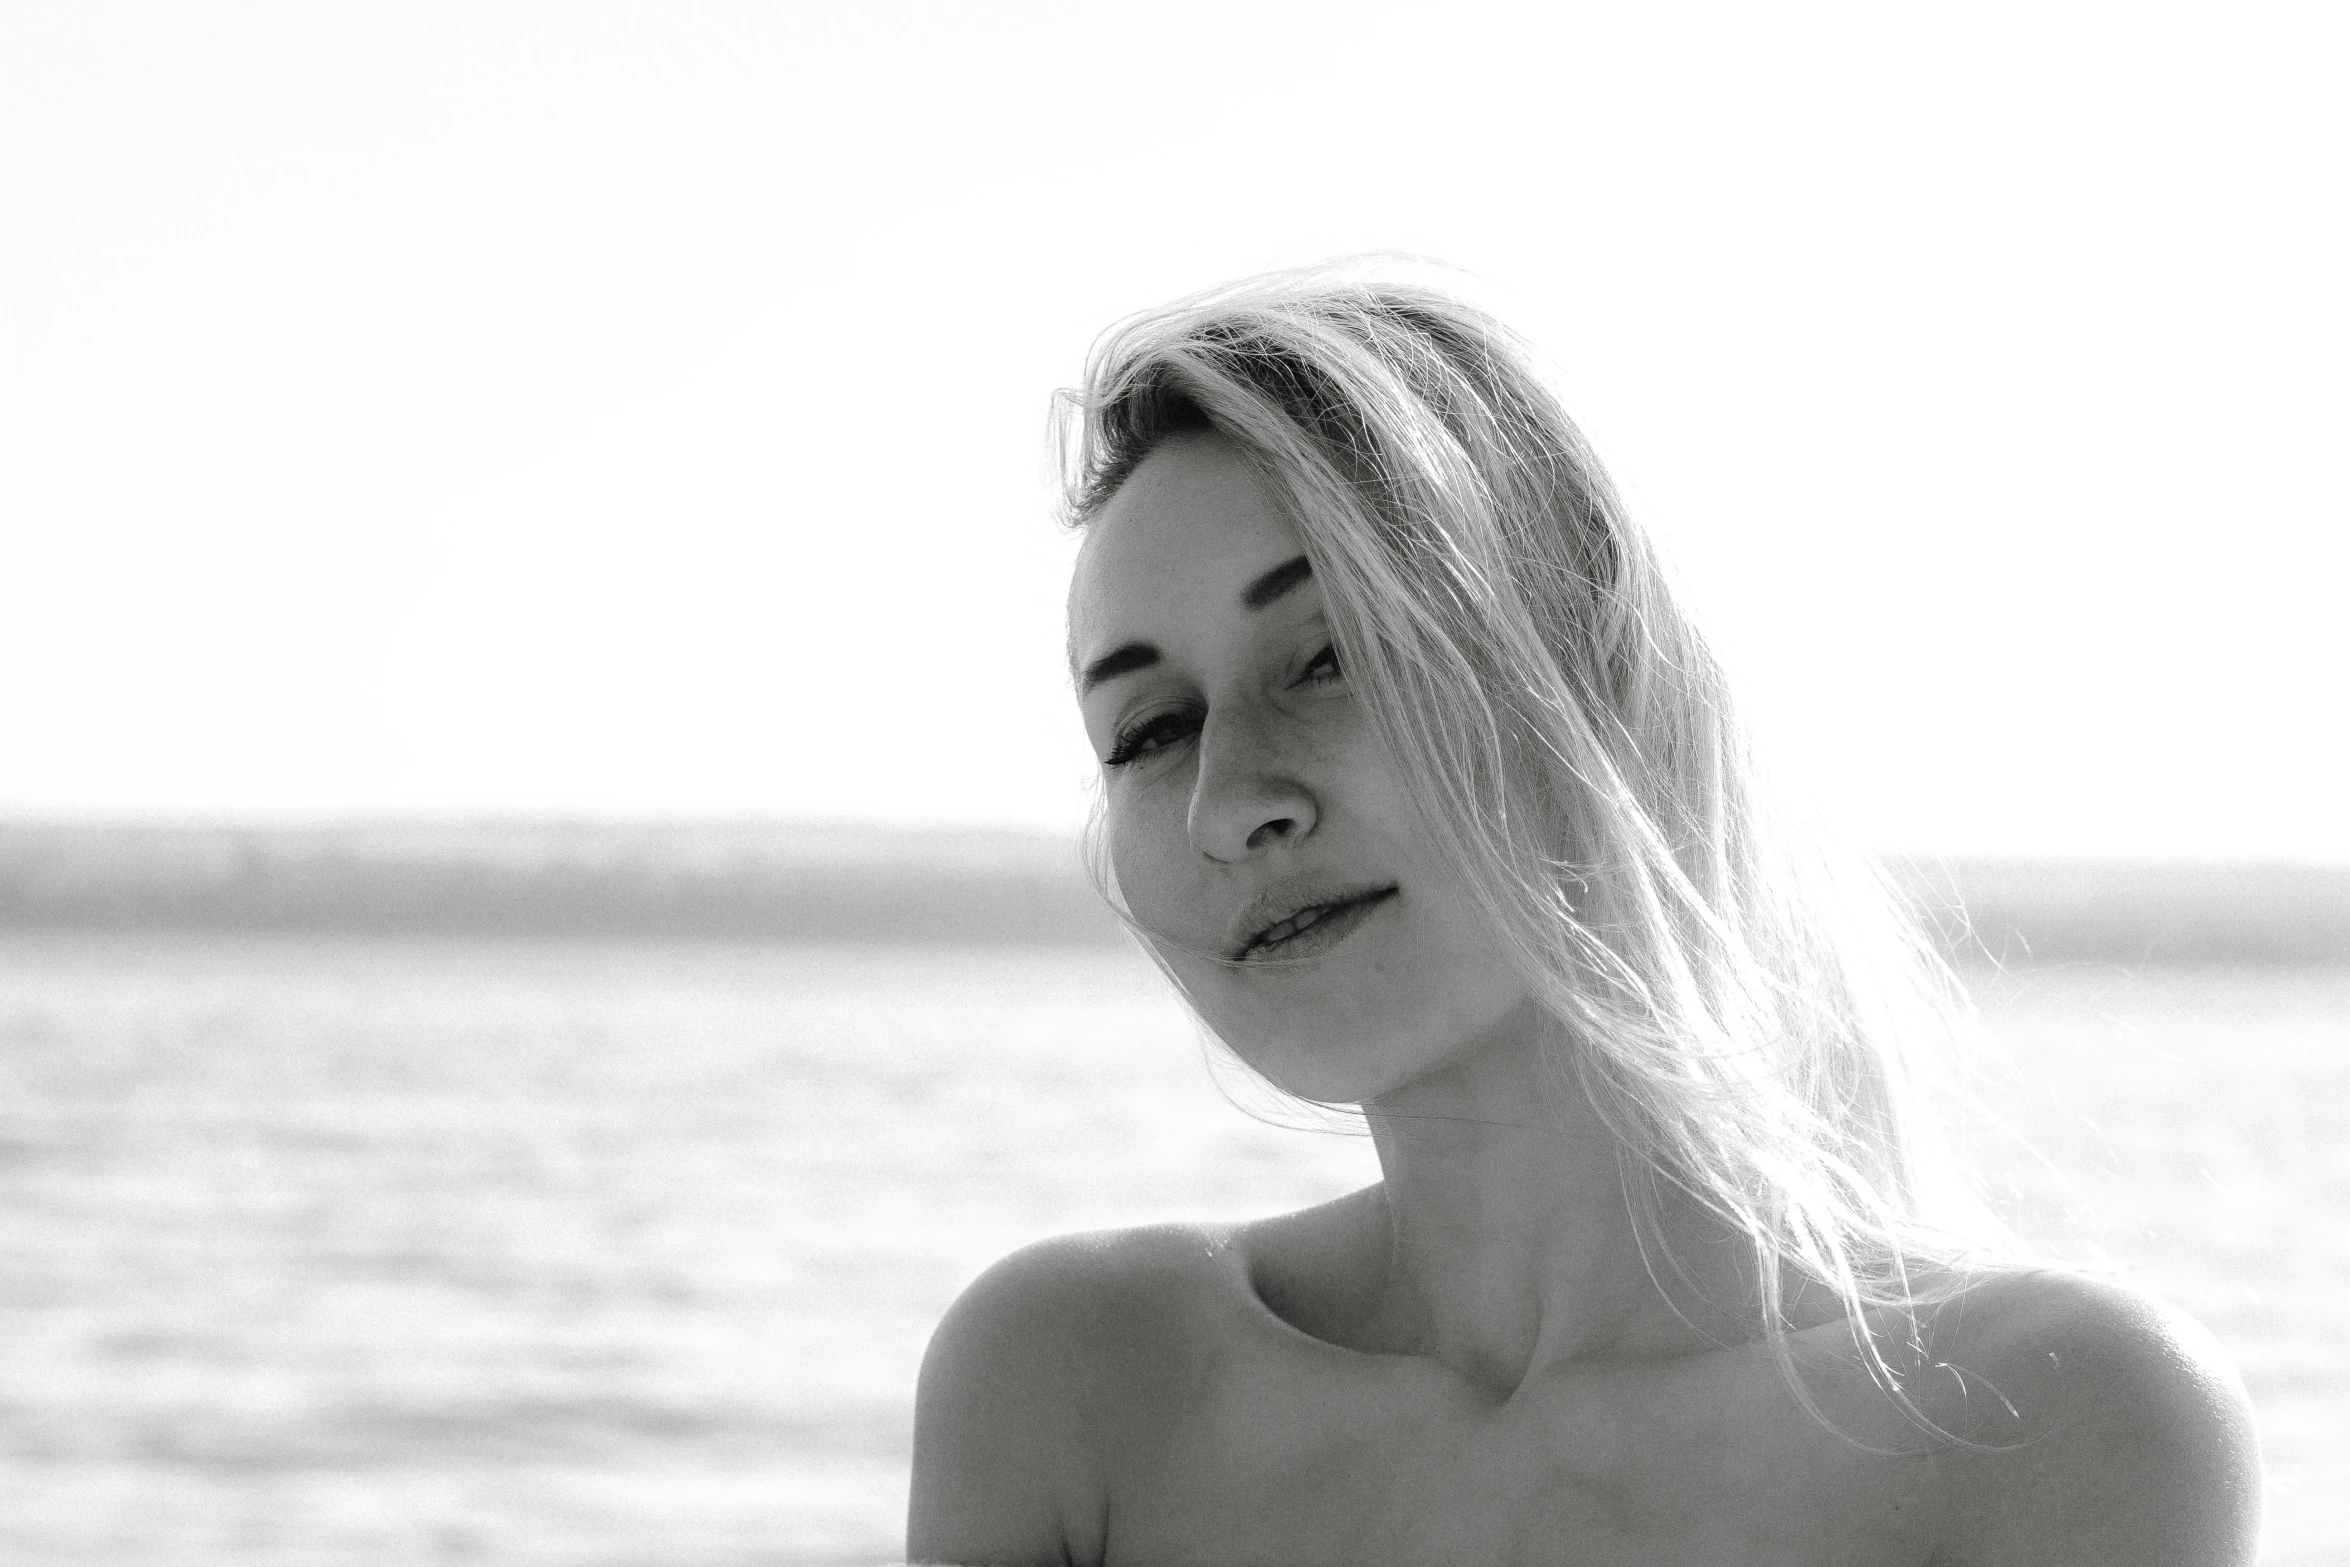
[(585, 409)]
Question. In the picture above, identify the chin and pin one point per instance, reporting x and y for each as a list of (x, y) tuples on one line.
[(1329, 1054), (1357, 1042)]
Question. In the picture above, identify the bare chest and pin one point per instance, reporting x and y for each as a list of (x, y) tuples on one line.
[(1305, 1458)]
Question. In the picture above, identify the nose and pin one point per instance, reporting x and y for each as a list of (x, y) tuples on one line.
[(1247, 796)]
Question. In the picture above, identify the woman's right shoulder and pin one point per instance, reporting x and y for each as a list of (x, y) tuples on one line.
[(1032, 1375), (1067, 1300)]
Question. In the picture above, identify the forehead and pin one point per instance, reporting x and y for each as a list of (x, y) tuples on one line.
[(1189, 531)]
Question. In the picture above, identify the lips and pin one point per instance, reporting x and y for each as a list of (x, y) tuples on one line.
[(1302, 923)]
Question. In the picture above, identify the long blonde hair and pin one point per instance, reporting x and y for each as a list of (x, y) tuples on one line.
[(1748, 1019)]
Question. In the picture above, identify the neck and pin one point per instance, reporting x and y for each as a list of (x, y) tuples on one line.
[(1509, 1247)]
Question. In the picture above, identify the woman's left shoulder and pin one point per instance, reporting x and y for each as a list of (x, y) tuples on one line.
[(2099, 1424)]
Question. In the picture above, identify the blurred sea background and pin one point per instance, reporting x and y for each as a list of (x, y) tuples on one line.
[(586, 1194)]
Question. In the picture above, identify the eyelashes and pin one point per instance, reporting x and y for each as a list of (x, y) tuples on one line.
[(1159, 732), (1152, 735)]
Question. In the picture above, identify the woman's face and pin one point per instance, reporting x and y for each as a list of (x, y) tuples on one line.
[(1252, 813)]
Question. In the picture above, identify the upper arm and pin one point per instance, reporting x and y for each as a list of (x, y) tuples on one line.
[(991, 1422), (1025, 1390), (2135, 1444)]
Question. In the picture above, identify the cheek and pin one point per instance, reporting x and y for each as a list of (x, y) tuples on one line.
[(1150, 855)]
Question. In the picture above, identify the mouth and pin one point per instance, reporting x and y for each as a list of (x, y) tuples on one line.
[(1306, 930)]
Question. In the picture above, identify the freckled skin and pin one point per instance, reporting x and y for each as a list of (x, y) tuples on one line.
[(1472, 1361)]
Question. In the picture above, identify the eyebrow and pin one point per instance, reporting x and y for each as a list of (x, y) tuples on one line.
[(1119, 661), (1273, 585)]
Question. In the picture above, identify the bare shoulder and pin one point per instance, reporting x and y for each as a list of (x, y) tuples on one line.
[(1028, 1380), (2109, 1428)]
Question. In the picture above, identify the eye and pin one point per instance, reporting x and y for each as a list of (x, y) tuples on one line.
[(1148, 736), (1322, 669)]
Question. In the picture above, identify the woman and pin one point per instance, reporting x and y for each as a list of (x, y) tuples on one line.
[(1426, 795)]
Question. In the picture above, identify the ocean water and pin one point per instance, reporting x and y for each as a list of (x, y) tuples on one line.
[(364, 1251)]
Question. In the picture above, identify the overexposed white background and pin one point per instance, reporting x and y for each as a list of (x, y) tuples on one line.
[(594, 408)]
